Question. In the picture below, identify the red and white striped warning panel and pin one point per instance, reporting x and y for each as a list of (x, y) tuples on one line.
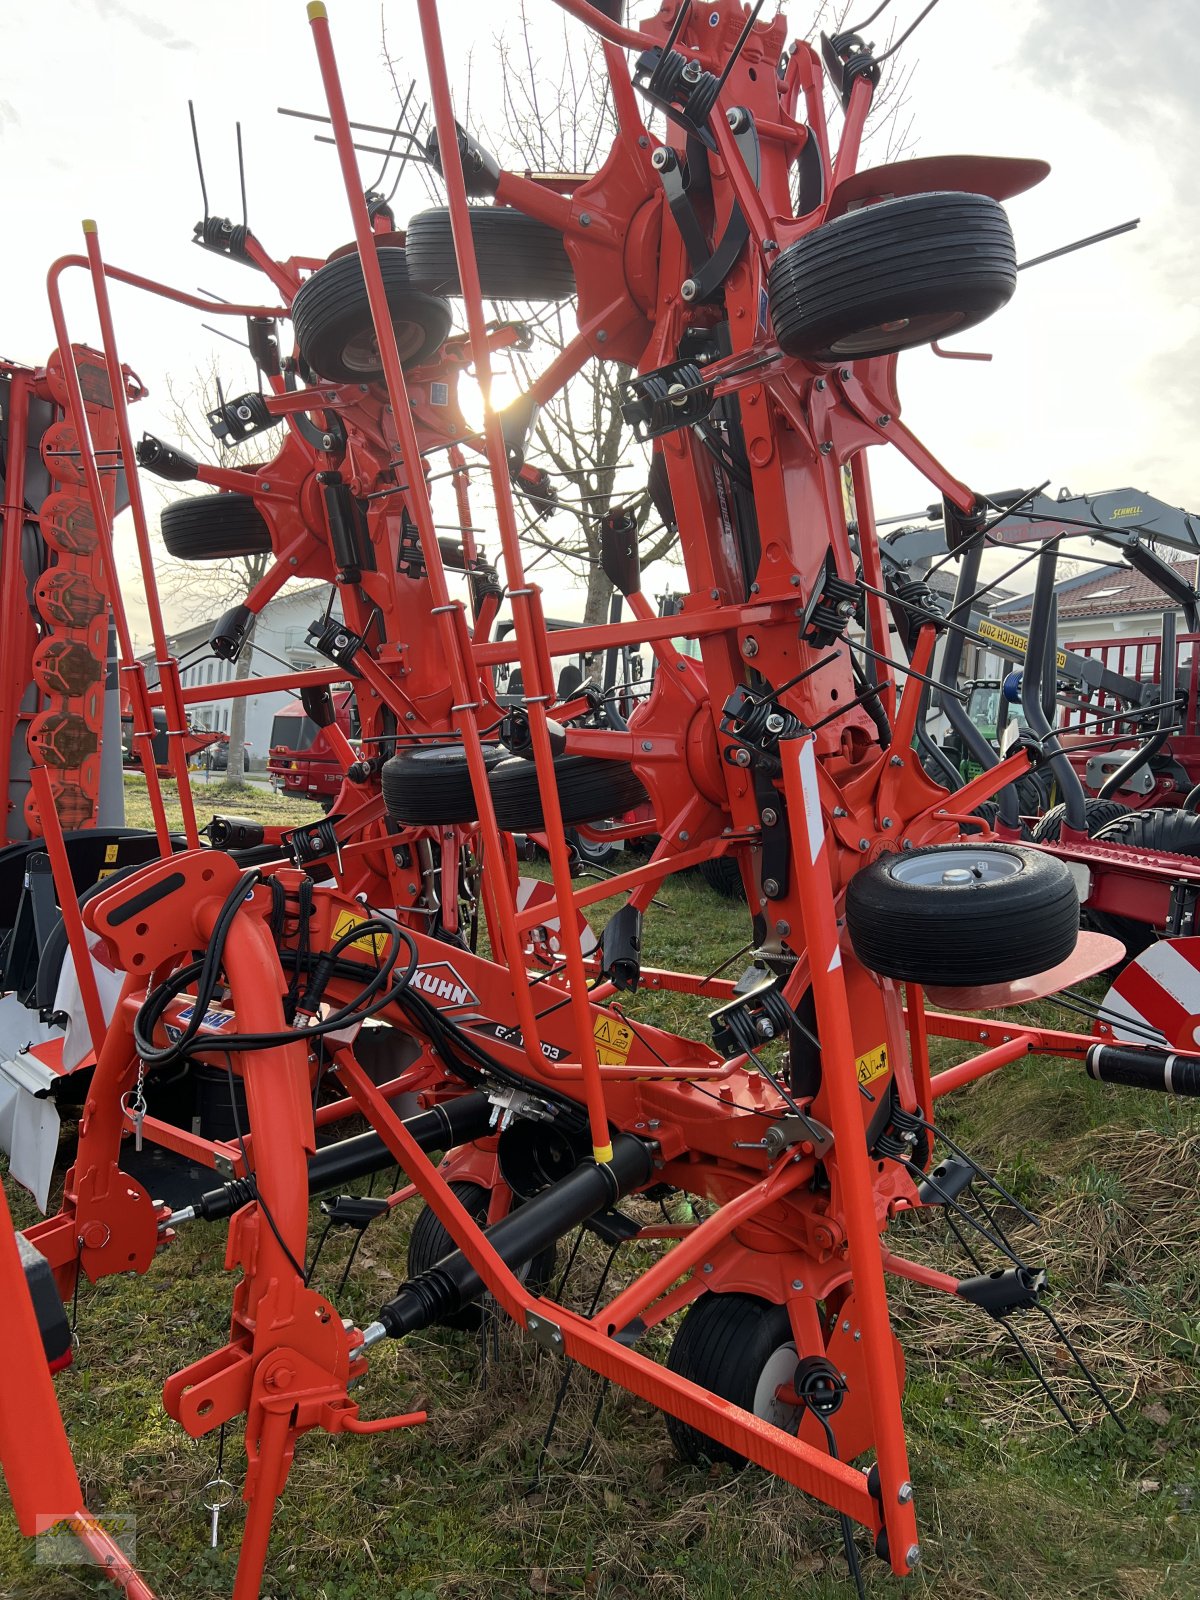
[(1156, 997), (537, 892)]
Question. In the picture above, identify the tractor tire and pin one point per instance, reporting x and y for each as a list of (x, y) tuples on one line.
[(891, 276), (332, 318), (1032, 793), (954, 914), (1097, 813), (589, 789), (213, 527), (741, 1348), (429, 1243), (431, 784), (988, 814), (723, 874), (519, 257), (1166, 828)]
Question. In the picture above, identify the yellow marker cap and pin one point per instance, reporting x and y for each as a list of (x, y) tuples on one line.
[(603, 1153), (89, 226), (316, 9)]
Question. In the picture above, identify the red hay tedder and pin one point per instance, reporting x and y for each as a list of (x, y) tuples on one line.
[(760, 286)]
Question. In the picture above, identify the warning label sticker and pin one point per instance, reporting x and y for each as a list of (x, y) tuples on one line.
[(871, 1065), (373, 943), (614, 1041)]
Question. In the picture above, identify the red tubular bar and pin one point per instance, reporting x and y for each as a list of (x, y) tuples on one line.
[(239, 689), (168, 668), (815, 891), (110, 1556), (979, 1066), (692, 1249), (449, 615), (868, 544), (135, 280), (527, 620), (613, 32), (69, 904), (846, 159), (927, 1277)]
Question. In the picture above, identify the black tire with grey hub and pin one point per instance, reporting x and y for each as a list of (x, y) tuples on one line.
[(956, 914), (741, 1348)]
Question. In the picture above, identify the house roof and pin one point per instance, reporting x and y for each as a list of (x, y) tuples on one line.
[(1109, 592)]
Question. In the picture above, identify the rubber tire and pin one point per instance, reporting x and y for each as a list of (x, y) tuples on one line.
[(429, 1243), (936, 263), (519, 257), (723, 874), (1148, 829), (331, 316), (589, 790), (590, 853), (723, 1344), (214, 527), (431, 784), (954, 934), (1097, 814), (1168, 828), (988, 814)]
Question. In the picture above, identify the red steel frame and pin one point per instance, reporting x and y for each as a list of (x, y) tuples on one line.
[(776, 1233)]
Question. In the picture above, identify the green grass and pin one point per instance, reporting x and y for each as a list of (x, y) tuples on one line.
[(240, 799), (1011, 1505)]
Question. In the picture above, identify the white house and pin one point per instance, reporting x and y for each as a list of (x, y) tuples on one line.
[(278, 646)]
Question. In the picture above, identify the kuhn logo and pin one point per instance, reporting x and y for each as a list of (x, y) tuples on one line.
[(440, 982)]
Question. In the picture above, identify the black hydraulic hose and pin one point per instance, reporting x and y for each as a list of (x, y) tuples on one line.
[(517, 1238), (1167, 712), (442, 1127), (1040, 663)]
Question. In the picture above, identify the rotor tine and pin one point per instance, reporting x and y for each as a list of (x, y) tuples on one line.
[(948, 1200), (1035, 1368), (983, 1173), (994, 1222), (970, 1254), (1081, 1364)]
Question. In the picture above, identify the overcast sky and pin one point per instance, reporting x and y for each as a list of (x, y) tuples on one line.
[(1095, 359)]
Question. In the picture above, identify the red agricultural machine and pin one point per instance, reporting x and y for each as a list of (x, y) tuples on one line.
[(761, 287), (302, 760)]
